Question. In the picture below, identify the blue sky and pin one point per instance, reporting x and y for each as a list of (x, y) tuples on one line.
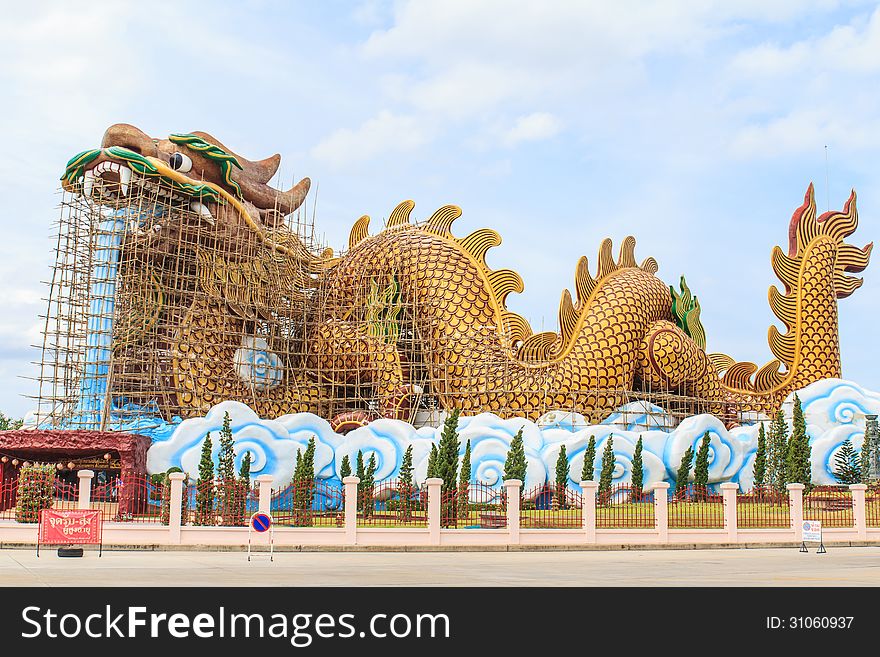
[(694, 126)]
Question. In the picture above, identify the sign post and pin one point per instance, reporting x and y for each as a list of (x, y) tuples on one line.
[(262, 523), (812, 532), (70, 527)]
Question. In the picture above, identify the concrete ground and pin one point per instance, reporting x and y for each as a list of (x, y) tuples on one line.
[(841, 566)]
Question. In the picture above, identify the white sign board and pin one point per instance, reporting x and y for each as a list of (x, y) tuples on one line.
[(812, 531)]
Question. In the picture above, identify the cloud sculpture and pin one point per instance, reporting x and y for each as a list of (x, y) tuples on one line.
[(272, 443), (834, 402), (834, 411), (825, 447), (727, 454), (385, 439), (257, 365), (490, 438), (639, 414), (567, 420), (623, 447)]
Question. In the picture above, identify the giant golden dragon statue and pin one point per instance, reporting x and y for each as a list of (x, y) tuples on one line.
[(415, 307)]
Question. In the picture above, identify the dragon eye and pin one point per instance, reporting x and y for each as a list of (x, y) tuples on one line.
[(180, 162)]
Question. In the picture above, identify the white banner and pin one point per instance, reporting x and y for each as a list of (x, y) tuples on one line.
[(812, 531)]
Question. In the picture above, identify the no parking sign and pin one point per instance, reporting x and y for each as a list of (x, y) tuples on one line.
[(262, 523)]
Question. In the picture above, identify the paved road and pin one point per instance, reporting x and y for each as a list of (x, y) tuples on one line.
[(844, 566)]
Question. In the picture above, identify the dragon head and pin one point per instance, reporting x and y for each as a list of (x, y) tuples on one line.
[(192, 178)]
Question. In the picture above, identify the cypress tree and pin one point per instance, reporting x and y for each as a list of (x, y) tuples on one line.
[(205, 485), (779, 451), (244, 474), (405, 483), (295, 490), (230, 495), (846, 464), (865, 459), (345, 467), (802, 466), (432, 462), (681, 477), (304, 484), (244, 482), (361, 474), (309, 461), (464, 481), (589, 469), (638, 474), (562, 472), (226, 461), (759, 471), (297, 466), (607, 472), (447, 452), (515, 464), (369, 483), (447, 466), (701, 466), (797, 462)]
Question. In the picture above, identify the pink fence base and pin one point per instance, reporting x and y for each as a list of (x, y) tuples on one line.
[(574, 522)]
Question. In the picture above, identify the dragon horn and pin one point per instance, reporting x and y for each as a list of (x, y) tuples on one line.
[(291, 199), (260, 171), (263, 170)]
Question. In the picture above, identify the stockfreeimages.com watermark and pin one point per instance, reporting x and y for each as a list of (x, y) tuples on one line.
[(299, 629)]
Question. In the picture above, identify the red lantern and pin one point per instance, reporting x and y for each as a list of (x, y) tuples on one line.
[(58, 466), (27, 464), (5, 459), (70, 465), (107, 456), (15, 462)]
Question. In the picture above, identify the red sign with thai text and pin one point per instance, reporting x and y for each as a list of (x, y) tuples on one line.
[(66, 527)]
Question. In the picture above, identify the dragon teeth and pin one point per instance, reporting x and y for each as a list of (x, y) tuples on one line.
[(88, 182), (124, 179), (203, 211)]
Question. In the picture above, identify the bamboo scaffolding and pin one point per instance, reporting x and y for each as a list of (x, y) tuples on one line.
[(139, 305)]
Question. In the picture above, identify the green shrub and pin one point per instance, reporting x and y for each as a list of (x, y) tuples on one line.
[(35, 491)]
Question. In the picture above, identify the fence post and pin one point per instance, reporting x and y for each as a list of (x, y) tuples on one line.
[(728, 491), (84, 500), (175, 519), (661, 510), (351, 509), (435, 491), (512, 488), (860, 520), (796, 509), (264, 489), (589, 489)]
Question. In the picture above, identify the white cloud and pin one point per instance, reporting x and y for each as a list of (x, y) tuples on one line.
[(853, 48), (533, 127), (667, 109), (807, 131), (810, 93), (369, 13), (477, 56), (474, 55), (384, 133)]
